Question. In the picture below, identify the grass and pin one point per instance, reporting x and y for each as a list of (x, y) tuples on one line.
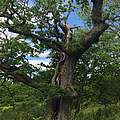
[(91, 112)]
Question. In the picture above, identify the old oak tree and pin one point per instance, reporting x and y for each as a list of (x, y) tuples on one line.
[(45, 25)]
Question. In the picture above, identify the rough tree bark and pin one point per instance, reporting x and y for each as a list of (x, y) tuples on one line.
[(64, 74)]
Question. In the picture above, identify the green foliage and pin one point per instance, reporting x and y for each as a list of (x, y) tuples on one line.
[(96, 74), (14, 50), (77, 39), (98, 112), (20, 102)]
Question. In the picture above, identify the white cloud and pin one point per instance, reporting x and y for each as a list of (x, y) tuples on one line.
[(44, 55), (37, 63)]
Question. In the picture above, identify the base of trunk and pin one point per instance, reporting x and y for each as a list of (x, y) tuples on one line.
[(61, 108)]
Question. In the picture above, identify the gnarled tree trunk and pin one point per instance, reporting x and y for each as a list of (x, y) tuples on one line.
[(64, 74)]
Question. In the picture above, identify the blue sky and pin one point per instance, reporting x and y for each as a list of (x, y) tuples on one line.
[(74, 19)]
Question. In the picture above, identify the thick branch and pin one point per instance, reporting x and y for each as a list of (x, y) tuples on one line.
[(99, 26), (97, 11), (46, 41), (11, 70), (19, 77), (93, 36)]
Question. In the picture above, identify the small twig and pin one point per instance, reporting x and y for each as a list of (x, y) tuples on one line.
[(42, 64), (113, 18), (75, 27)]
